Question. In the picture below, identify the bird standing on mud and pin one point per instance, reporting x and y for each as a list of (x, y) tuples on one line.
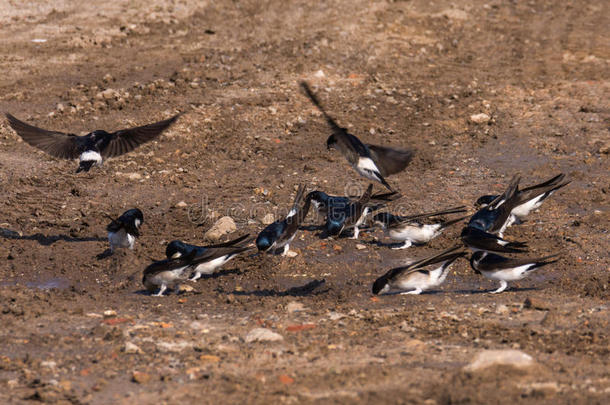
[(278, 235), (210, 257), (528, 199), (123, 231), (370, 161), (322, 202), (419, 275), (504, 269), (352, 215), (415, 229), (90, 148)]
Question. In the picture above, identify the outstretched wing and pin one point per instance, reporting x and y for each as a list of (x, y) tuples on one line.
[(126, 140), (58, 144), (390, 160), (347, 143)]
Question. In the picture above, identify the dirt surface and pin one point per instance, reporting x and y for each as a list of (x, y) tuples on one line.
[(403, 73)]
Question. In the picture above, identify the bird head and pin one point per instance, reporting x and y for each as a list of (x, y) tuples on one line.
[(485, 200), (263, 243), (176, 249), (98, 134), (318, 198), (381, 286), (333, 227), (134, 215), (331, 142), (381, 219)]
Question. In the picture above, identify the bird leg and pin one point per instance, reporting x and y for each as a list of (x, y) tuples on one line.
[(405, 245), (161, 291), (356, 233), (414, 292), (286, 248), (503, 285)]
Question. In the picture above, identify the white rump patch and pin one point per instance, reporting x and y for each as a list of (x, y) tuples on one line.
[(90, 155)]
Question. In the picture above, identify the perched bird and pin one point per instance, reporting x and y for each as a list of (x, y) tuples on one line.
[(123, 231), (528, 199), (279, 234), (371, 161), (494, 218), (478, 240), (169, 273), (504, 269), (349, 216), (323, 202), (210, 257), (415, 229), (90, 148), (420, 275)]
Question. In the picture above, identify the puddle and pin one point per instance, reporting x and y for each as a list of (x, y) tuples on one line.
[(59, 283)]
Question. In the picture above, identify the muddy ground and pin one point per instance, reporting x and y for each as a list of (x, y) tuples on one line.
[(403, 73)]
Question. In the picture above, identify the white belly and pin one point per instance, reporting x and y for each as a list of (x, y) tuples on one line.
[(91, 155), (211, 266), (121, 239), (415, 233), (367, 168), (414, 281), (516, 273), (169, 278), (523, 210)]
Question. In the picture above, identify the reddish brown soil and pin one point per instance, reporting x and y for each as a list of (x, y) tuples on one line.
[(402, 73)]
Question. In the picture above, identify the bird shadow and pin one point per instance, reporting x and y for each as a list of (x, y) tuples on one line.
[(106, 253), (299, 291), (220, 273), (427, 292), (311, 228), (46, 240), (511, 289)]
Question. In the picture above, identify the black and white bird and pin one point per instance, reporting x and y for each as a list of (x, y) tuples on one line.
[(371, 161), (323, 202), (350, 216), (504, 269), (210, 258), (494, 217), (416, 229), (528, 199), (90, 148), (419, 275), (123, 231), (278, 235), (168, 273), (478, 240)]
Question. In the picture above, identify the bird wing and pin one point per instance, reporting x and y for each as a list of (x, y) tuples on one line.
[(478, 239), (169, 264), (210, 254), (493, 262), (126, 140), (390, 160), (351, 147), (453, 210), (231, 242), (55, 143), (447, 254), (548, 186), (550, 182)]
